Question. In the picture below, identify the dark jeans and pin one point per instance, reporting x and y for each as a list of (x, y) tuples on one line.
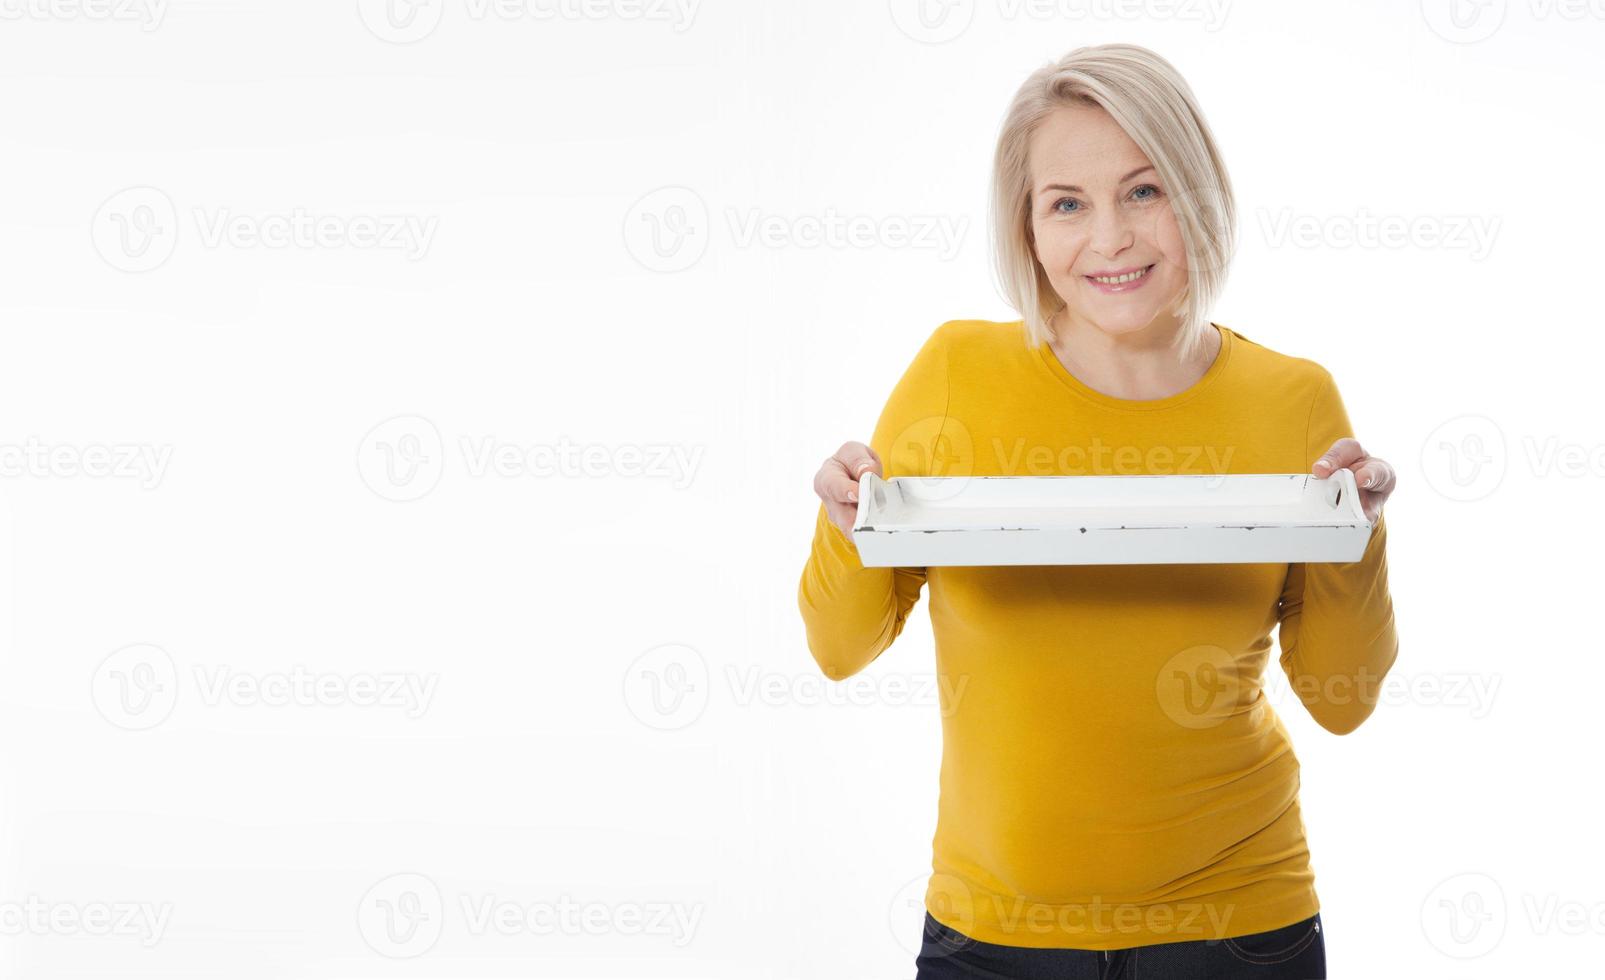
[(1295, 952)]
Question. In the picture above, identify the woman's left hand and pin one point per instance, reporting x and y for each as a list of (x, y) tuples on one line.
[(1373, 476)]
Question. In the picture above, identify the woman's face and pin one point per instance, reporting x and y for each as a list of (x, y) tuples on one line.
[(1098, 208)]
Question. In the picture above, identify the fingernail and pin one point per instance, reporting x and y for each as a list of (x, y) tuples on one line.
[(1370, 480), (852, 496)]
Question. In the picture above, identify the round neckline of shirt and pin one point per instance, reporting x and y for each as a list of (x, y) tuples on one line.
[(1050, 361)]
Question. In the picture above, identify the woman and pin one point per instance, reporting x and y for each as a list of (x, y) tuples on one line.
[(1117, 796)]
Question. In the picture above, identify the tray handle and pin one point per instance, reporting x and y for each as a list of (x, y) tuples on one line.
[(870, 488), (1343, 494)]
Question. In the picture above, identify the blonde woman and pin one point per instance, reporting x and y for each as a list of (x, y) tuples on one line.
[(1118, 799)]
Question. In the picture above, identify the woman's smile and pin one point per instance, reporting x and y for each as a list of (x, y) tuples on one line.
[(1120, 280)]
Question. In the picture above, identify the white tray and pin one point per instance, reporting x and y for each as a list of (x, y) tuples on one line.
[(1109, 520)]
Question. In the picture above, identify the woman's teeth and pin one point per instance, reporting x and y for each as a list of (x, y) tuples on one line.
[(1116, 280)]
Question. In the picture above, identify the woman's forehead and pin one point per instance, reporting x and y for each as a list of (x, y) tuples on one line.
[(1073, 146)]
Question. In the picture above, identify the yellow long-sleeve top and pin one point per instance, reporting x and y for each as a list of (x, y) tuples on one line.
[(1112, 772)]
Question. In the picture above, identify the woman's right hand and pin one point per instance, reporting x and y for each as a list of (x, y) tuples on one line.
[(837, 482)]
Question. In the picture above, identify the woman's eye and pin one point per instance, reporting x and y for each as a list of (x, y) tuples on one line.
[(1141, 194)]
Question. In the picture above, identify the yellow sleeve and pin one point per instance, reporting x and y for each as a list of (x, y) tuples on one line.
[(852, 613), (1337, 630)]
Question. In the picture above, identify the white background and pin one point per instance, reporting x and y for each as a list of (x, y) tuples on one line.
[(238, 457)]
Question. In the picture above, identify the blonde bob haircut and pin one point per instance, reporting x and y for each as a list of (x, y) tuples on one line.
[(1148, 98)]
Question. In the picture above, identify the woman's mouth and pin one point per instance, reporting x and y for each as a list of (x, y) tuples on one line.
[(1121, 283)]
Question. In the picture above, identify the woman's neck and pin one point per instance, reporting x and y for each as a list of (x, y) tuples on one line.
[(1139, 366)]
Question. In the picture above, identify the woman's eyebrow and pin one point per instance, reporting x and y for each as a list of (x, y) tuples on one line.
[(1074, 188)]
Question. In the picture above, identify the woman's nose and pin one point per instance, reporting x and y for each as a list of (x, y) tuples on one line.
[(1111, 234)]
